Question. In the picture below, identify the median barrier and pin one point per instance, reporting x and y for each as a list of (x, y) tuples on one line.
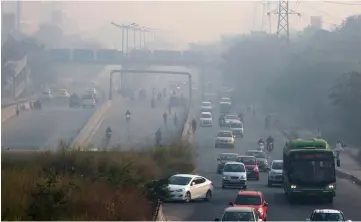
[(91, 126), (158, 214)]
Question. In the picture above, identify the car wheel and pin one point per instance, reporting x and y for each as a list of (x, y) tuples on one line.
[(208, 196), (187, 197)]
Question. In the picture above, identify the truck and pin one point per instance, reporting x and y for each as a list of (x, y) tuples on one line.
[(309, 170)]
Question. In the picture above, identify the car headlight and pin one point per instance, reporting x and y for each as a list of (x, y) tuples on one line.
[(260, 210), (225, 177), (331, 187), (293, 186), (243, 177)]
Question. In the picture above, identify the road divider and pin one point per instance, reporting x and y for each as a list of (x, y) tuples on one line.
[(89, 129)]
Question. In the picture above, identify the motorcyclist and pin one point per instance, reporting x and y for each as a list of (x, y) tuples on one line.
[(108, 132), (260, 141), (165, 115), (269, 141), (221, 120), (128, 113), (240, 116), (158, 136), (338, 149), (194, 124)]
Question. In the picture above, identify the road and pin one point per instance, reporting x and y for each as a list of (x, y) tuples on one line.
[(347, 199), (56, 121), (139, 132)]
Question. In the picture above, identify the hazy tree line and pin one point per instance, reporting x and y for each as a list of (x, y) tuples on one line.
[(315, 80)]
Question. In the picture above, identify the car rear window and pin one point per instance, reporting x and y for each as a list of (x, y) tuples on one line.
[(247, 160), (247, 200), (224, 134)]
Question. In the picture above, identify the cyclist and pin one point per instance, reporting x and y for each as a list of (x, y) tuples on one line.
[(165, 115)]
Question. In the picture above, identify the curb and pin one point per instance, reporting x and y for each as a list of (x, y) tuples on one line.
[(340, 173)]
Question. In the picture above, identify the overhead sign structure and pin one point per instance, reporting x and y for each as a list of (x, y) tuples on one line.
[(60, 55), (108, 56), (83, 56)]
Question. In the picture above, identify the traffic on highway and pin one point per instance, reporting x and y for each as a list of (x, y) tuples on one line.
[(247, 172)]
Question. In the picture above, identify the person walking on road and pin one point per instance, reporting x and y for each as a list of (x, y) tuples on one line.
[(17, 110), (158, 136), (194, 125), (338, 149), (165, 115)]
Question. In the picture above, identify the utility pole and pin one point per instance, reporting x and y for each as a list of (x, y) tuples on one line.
[(283, 12), (265, 9)]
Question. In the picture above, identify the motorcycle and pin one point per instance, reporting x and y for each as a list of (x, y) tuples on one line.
[(260, 147), (270, 146)]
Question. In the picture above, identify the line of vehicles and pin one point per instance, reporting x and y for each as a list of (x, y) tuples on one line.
[(306, 170), (88, 99)]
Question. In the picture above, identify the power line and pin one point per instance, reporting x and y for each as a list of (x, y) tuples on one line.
[(344, 3)]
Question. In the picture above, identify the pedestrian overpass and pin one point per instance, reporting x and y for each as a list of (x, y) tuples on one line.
[(134, 57)]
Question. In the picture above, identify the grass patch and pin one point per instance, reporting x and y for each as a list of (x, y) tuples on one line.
[(86, 185)]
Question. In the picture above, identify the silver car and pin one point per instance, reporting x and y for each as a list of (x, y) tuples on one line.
[(275, 175), (234, 175)]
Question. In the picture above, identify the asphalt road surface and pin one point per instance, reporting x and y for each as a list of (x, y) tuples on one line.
[(347, 199), (140, 131), (56, 121)]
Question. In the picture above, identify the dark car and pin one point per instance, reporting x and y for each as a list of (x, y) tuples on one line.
[(250, 162), (74, 100), (261, 157), (224, 158)]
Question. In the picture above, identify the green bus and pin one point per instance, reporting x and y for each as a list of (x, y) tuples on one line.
[(309, 170)]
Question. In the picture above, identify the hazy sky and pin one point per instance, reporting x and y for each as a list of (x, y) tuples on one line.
[(206, 20), (194, 21)]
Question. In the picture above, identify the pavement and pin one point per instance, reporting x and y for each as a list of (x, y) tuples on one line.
[(347, 199), (43, 129)]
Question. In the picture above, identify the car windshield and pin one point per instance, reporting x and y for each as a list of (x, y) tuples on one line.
[(248, 200), (224, 134), (177, 180), (277, 165), (232, 157), (236, 125), (238, 216), (232, 117), (206, 115), (257, 154), (247, 160), (234, 168), (327, 217)]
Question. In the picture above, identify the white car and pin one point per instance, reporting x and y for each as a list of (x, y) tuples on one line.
[(206, 119), (224, 139), (327, 215), (237, 128), (226, 99), (187, 187), (230, 118), (206, 106), (46, 95), (275, 175), (63, 93), (88, 100), (234, 175)]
